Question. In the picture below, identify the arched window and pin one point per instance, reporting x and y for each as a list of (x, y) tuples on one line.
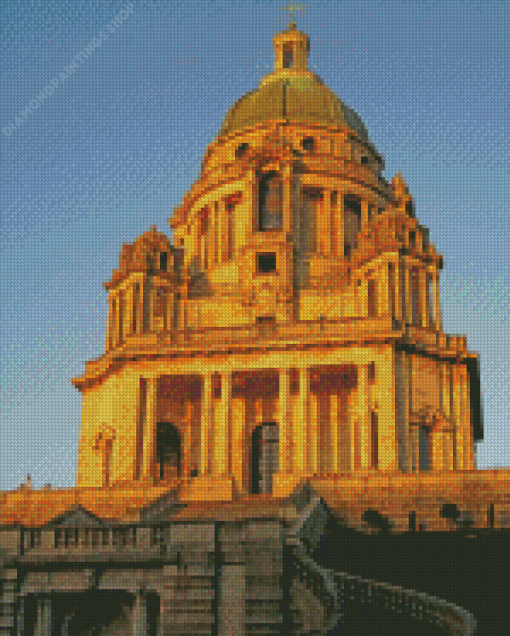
[(270, 202), (241, 149), (288, 55)]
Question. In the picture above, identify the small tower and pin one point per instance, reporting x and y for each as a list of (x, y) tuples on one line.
[(142, 290), (291, 49)]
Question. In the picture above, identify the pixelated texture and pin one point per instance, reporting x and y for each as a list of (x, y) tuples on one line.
[(276, 390)]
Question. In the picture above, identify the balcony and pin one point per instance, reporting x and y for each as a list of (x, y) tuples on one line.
[(227, 338)]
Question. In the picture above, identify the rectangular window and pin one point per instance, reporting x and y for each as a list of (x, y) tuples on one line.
[(163, 261), (266, 263)]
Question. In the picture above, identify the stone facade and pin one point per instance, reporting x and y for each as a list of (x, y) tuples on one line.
[(290, 333)]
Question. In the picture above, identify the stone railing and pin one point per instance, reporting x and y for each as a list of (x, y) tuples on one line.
[(336, 589), (455, 620), (342, 330), (304, 534)]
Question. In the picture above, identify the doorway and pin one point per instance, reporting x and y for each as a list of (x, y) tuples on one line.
[(264, 457), (424, 447), (168, 451)]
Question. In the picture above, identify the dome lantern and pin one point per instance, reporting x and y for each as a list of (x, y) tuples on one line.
[(291, 49)]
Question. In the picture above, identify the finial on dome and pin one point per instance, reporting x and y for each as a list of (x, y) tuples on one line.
[(293, 7), (291, 46)]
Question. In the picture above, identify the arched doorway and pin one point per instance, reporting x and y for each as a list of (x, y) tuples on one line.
[(92, 612), (168, 451), (424, 447), (264, 457)]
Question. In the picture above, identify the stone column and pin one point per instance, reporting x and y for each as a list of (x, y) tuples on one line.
[(324, 224), (287, 199), (397, 292), (333, 433), (43, 625), (222, 442), (118, 318), (139, 617), (153, 292), (206, 423), (213, 259), (467, 430), (186, 442), (110, 330), (169, 310), (408, 305), (139, 307), (284, 417), (313, 434), (457, 418), (363, 416), (339, 225), (386, 411), (128, 310), (402, 410), (435, 301), (383, 291), (222, 229), (150, 429), (303, 419), (364, 214), (426, 319)]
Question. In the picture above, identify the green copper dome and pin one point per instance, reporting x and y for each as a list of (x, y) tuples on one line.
[(300, 97)]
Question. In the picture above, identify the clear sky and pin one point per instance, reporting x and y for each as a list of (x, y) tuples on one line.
[(113, 145)]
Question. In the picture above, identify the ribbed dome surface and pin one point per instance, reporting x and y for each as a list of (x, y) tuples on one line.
[(301, 97)]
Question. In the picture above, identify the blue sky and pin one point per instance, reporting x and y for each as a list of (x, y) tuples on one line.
[(111, 149)]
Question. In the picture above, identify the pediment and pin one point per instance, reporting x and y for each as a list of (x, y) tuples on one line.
[(77, 517)]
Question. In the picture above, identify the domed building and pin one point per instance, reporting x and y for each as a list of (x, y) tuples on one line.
[(293, 329), (281, 360)]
